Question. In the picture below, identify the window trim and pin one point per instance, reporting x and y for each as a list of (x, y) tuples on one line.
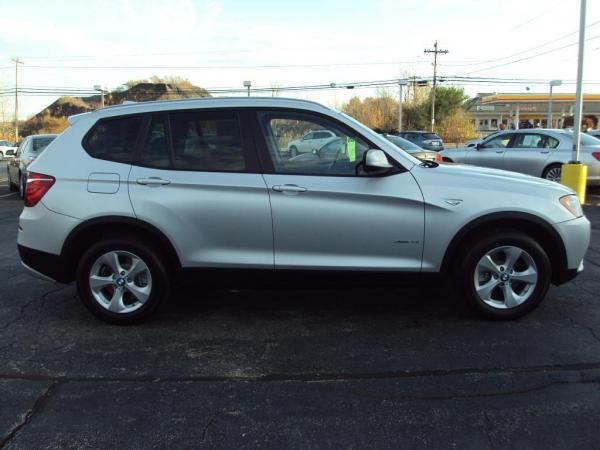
[(268, 168), (247, 138), (86, 137)]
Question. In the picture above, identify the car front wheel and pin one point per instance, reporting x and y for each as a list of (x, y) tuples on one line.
[(505, 276), (122, 281)]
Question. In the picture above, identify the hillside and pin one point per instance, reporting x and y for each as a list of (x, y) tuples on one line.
[(53, 119)]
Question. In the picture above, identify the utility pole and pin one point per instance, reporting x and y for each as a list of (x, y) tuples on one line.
[(17, 61), (100, 89), (574, 173), (401, 84), (435, 52)]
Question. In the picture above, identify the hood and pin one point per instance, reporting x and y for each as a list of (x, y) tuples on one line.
[(512, 180)]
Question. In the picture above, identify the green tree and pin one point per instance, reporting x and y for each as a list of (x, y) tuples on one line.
[(447, 101)]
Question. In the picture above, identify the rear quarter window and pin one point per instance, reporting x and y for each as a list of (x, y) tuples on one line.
[(114, 139)]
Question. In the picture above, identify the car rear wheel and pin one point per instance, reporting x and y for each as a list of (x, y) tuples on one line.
[(122, 281), (11, 185), (505, 276), (552, 173), (293, 151)]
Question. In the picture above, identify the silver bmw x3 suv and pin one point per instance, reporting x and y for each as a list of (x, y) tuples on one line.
[(132, 199)]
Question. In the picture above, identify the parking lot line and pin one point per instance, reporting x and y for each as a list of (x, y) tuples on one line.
[(8, 195)]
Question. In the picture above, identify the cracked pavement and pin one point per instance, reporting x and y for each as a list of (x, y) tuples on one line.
[(312, 368)]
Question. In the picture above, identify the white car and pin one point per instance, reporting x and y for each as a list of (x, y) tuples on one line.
[(7, 150), (311, 142), (133, 199)]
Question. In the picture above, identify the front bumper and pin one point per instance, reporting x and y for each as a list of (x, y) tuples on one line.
[(575, 235)]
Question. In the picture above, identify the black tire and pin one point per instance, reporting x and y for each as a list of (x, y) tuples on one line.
[(477, 249), (293, 151), (551, 167), (161, 279), (11, 185)]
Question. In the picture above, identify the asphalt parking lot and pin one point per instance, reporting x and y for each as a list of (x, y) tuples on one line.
[(311, 368)]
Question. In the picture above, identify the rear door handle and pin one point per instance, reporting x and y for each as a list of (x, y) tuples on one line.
[(153, 181), (499, 151), (543, 152), (289, 188)]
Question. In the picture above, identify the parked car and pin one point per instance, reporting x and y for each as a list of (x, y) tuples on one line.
[(28, 151), (413, 149), (424, 139), (132, 199), (594, 133), (7, 150), (310, 142), (538, 152)]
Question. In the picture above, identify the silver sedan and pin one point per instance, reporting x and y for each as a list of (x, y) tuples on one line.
[(537, 152)]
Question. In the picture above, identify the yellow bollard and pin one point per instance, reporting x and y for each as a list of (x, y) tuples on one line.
[(574, 175)]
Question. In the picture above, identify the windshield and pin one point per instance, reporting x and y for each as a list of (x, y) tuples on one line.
[(363, 127), (41, 143)]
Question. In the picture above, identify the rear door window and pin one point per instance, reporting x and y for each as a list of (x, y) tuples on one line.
[(156, 152), (207, 141), (114, 139), (526, 140)]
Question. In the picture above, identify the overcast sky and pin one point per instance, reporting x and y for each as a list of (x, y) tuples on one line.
[(377, 39)]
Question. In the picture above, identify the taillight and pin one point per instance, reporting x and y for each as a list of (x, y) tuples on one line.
[(37, 186), (596, 155), (438, 158)]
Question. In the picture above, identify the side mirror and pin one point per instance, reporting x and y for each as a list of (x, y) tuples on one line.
[(479, 146), (376, 160)]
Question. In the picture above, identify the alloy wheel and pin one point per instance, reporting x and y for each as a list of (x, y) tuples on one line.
[(505, 277), (120, 281), (553, 174)]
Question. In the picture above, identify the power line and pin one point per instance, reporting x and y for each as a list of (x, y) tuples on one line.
[(545, 44), (530, 57)]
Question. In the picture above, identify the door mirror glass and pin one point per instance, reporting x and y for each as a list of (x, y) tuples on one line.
[(376, 160)]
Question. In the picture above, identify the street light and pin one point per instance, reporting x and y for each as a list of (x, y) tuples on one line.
[(401, 84), (248, 84), (98, 88), (552, 84)]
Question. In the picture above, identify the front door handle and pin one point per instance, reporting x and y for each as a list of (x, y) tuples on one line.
[(153, 181), (289, 188), (499, 151), (543, 152)]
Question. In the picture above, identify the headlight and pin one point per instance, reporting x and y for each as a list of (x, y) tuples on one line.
[(571, 202)]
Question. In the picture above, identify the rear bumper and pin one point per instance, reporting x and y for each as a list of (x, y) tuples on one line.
[(46, 266)]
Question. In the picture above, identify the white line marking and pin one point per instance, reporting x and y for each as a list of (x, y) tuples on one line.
[(8, 195)]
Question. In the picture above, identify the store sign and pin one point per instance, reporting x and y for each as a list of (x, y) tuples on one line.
[(485, 108)]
